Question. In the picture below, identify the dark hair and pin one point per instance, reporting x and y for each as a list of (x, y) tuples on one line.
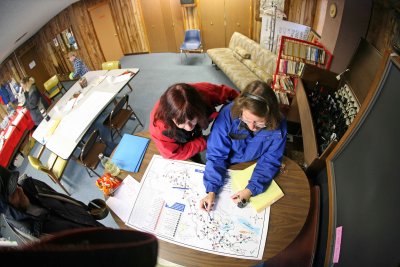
[(25, 80), (261, 101), (181, 102)]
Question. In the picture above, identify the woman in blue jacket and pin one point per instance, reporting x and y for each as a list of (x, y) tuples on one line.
[(251, 128)]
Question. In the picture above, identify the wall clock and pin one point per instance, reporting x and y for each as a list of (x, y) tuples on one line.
[(332, 10)]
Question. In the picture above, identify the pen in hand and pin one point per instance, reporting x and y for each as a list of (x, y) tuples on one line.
[(205, 207)]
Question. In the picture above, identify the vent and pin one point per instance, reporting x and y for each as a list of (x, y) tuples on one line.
[(22, 36)]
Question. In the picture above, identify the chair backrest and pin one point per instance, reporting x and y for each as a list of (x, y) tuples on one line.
[(51, 83), (88, 247), (111, 65), (36, 163), (89, 144), (124, 100), (192, 35)]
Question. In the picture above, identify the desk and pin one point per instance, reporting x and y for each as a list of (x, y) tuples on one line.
[(68, 123), (287, 217), (14, 135)]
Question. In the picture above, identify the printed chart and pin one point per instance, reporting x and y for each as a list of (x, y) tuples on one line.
[(168, 206)]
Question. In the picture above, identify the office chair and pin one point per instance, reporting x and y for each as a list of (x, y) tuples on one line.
[(192, 43), (53, 87), (89, 156), (112, 65), (54, 169), (119, 116)]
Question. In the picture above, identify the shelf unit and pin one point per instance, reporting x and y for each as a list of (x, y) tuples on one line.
[(317, 111), (293, 55)]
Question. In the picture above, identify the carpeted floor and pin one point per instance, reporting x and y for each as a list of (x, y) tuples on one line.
[(157, 72)]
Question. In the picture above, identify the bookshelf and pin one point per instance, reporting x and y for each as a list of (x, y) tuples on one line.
[(292, 57)]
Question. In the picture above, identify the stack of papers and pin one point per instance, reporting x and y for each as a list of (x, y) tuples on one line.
[(261, 201), (130, 152), (121, 202)]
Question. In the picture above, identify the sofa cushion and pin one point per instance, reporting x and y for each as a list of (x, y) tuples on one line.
[(242, 52), (264, 76), (240, 71), (237, 56), (250, 64)]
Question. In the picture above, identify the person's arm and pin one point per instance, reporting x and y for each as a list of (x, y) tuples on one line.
[(216, 94), (268, 164), (218, 148), (32, 98), (77, 69)]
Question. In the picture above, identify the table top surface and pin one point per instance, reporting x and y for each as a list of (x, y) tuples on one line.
[(75, 111), (287, 217)]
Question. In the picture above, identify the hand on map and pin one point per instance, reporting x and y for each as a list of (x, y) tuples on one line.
[(207, 203), (241, 196)]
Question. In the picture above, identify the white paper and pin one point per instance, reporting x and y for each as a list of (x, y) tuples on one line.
[(121, 203), (118, 79), (168, 206)]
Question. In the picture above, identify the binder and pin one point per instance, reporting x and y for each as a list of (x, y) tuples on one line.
[(130, 152), (261, 201)]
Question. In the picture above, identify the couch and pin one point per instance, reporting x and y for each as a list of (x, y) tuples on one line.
[(244, 61)]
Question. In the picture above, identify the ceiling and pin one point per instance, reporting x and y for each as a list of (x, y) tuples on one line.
[(21, 19)]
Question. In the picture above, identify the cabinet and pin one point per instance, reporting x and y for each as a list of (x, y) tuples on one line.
[(328, 103), (220, 19), (293, 55), (164, 25)]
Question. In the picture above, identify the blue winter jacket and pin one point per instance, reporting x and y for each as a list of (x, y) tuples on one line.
[(224, 148)]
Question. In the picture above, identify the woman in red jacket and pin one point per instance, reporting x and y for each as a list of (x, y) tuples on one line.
[(183, 111)]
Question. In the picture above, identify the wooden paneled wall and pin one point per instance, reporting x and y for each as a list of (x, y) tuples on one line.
[(301, 11), (384, 25), (127, 17)]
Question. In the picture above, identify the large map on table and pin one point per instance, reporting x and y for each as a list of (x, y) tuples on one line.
[(168, 206)]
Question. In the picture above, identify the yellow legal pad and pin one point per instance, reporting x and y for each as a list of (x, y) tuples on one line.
[(261, 201)]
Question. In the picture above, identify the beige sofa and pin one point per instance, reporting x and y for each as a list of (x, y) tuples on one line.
[(244, 61)]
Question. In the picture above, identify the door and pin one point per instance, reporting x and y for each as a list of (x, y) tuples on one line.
[(177, 23), (212, 23), (105, 30), (237, 16), (154, 22), (34, 67)]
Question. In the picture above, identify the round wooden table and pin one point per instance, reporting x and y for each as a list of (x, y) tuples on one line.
[(287, 217)]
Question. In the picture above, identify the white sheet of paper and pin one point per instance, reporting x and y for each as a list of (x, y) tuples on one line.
[(168, 206), (121, 203)]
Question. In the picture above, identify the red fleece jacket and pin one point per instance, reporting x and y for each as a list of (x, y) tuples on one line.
[(214, 96)]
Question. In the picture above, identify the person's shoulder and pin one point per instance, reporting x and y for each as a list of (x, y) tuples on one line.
[(226, 109)]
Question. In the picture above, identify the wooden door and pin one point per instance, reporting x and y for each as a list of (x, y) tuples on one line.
[(237, 16), (34, 67), (168, 25), (104, 26), (212, 15), (177, 23), (154, 22)]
